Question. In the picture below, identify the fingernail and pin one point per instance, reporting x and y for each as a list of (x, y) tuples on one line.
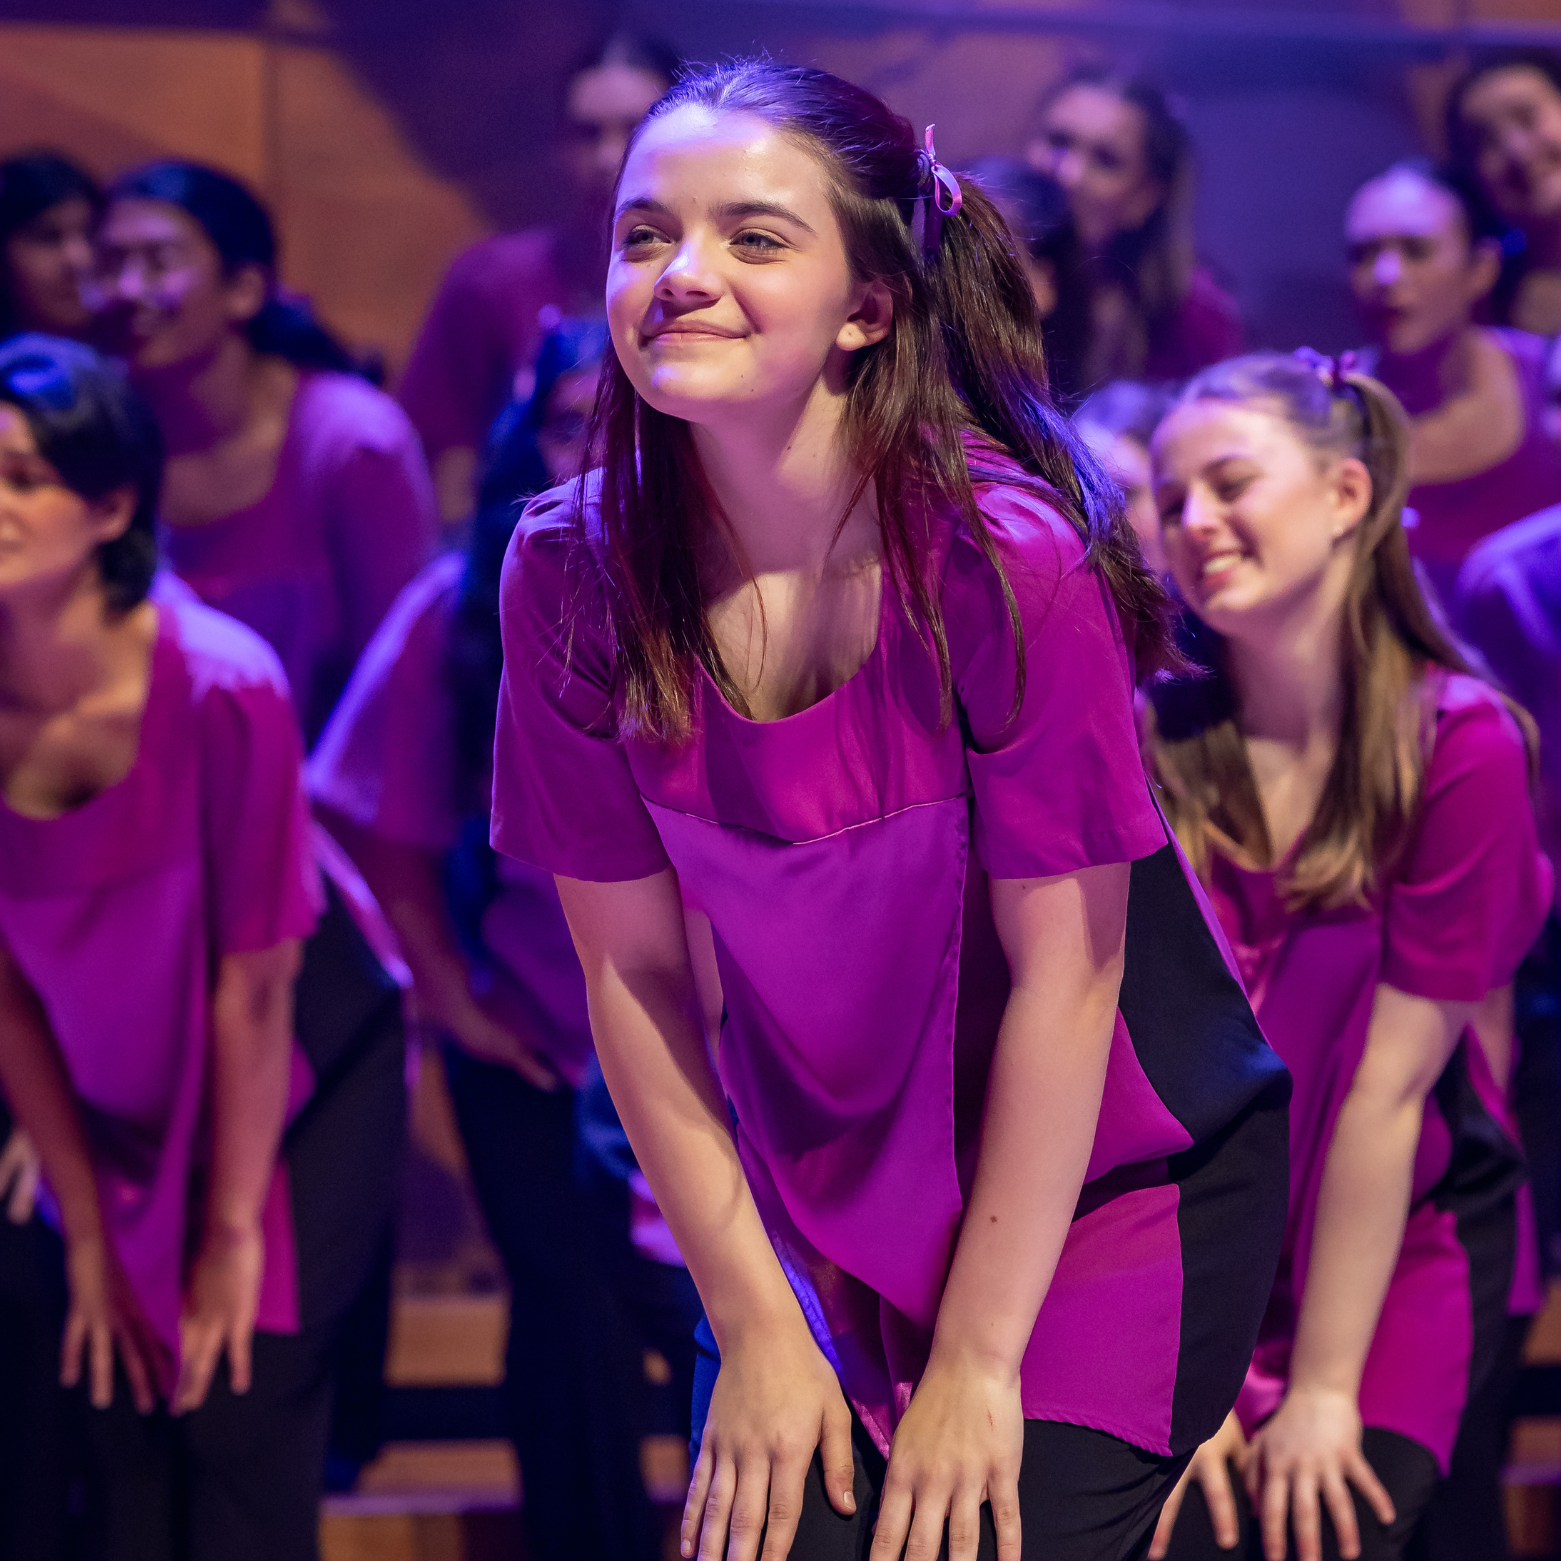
[(849, 1499)]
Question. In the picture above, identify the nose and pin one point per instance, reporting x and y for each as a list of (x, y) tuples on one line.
[(1201, 516), (78, 257), (1068, 168), (123, 282), (689, 275), (1387, 268)]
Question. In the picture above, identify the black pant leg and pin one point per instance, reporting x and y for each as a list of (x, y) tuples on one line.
[(255, 1461), (135, 1485), (36, 1453), (1406, 1468), (568, 1344)]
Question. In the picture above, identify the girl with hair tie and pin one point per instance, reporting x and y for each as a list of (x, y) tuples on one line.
[(817, 701), (1356, 802), (296, 496)]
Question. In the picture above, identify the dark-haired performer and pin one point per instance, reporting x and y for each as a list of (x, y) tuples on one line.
[(984, 1188), (49, 210), (1424, 254), (296, 497), (480, 340), (156, 883), (1504, 132)]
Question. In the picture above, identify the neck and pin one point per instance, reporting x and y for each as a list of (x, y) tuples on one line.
[(202, 400), (1289, 679), (55, 641), (1424, 379), (783, 481)]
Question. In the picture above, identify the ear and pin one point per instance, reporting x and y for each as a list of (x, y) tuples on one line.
[(247, 290), (1351, 496), (112, 514), (869, 322), (1484, 269)]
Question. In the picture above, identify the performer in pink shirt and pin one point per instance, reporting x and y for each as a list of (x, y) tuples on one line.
[(1424, 253), (1357, 804), (296, 497), (156, 883), (49, 211), (480, 340), (818, 702)]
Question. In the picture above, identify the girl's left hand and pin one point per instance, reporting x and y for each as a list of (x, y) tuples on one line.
[(221, 1296), (959, 1445), (19, 1174), (1310, 1449)]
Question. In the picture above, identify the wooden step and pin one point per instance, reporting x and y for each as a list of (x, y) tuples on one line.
[(447, 1341)]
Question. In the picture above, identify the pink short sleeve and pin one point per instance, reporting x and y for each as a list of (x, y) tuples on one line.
[(564, 798), (265, 888), (1472, 891), (386, 759), (1061, 785)]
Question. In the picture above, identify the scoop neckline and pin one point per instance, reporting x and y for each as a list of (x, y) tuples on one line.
[(154, 694), (797, 715)]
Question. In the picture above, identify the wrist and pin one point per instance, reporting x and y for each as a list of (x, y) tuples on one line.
[(974, 1358)]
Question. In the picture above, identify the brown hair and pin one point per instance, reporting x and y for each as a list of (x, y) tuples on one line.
[(963, 357), (1391, 640)]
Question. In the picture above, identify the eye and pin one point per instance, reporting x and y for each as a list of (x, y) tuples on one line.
[(1417, 249), (1107, 160), (1229, 489), (1169, 508), (756, 243), (639, 236)]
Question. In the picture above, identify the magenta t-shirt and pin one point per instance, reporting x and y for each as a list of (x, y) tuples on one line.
[(117, 912), (1450, 517), (1206, 329), (387, 761), (841, 855), (483, 328), (1453, 922), (312, 567)]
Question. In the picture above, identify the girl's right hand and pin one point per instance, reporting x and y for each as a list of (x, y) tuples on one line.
[(104, 1316), (19, 1173), (494, 1028), (775, 1401), (1210, 1467)]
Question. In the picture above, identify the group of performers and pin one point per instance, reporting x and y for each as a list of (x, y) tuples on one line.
[(1000, 943)]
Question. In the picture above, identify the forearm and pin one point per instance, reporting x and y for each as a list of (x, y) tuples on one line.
[(251, 1062), (1362, 1208), (649, 1026), (38, 1087), (1043, 1103)]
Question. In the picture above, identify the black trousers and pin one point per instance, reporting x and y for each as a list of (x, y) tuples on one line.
[(1083, 1495), (240, 1478), (574, 1367), (1407, 1469)]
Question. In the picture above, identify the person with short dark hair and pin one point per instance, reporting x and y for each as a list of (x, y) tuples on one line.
[(1424, 253), (1117, 146), (296, 497), (49, 211), (156, 886), (478, 343), (1503, 124)]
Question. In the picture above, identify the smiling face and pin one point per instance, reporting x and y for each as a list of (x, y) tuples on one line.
[(1255, 523), (1414, 272), (48, 532), (1092, 144), (1513, 119), (165, 296), (729, 292), (49, 262)]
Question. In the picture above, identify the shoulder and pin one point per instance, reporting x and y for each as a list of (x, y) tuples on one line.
[(1523, 347), (338, 415), (1476, 734), (502, 261), (1037, 545), (226, 661), (1526, 550), (555, 563), (1206, 300), (424, 604)]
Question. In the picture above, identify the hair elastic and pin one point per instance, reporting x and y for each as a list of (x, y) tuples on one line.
[(1333, 372), (941, 197)]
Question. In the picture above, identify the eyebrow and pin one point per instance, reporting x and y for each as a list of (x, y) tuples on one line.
[(729, 210)]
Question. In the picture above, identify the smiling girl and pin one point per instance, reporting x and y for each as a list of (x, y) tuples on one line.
[(1357, 804), (817, 701)]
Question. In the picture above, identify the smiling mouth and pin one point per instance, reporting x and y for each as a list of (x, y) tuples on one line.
[(1217, 565), (690, 334)]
